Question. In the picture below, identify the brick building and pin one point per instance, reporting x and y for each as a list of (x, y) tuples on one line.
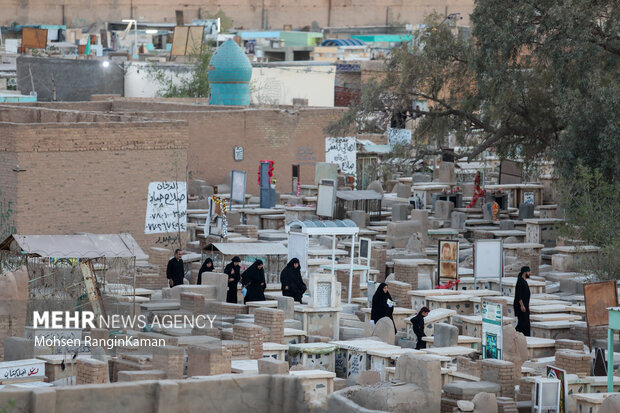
[(85, 166), (65, 171)]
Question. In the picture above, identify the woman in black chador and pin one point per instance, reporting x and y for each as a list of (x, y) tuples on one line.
[(290, 278), (382, 305), (233, 272), (207, 266), (253, 279)]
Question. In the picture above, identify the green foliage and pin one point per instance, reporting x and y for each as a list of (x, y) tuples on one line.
[(536, 79), (592, 213), (226, 23), (194, 85)]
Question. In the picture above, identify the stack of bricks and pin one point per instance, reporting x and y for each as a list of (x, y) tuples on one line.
[(272, 320), (208, 360), (342, 276), (207, 331), (227, 334), (239, 350), (250, 231), (193, 303), (253, 334), (128, 362), (407, 272), (573, 362), (579, 332), (531, 256), (469, 366), (221, 309), (398, 290), (149, 277), (503, 373), (378, 257), (506, 405), (566, 344), (91, 371), (169, 359), (526, 384), (158, 258), (124, 376)]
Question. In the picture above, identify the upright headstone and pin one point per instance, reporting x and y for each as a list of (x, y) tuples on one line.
[(360, 218), (443, 209), (487, 211), (445, 335), (458, 220), (421, 177), (403, 190), (507, 224), (375, 186), (286, 304), (267, 193), (325, 170), (526, 211), (384, 329), (400, 212)]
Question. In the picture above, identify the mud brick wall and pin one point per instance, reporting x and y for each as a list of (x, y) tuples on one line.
[(141, 375), (169, 359), (91, 371), (574, 362), (84, 172), (469, 366), (208, 360), (398, 290), (503, 373), (253, 334), (192, 302), (406, 272), (531, 256), (240, 350), (565, 344), (525, 389), (342, 276), (222, 309), (273, 321), (378, 257)]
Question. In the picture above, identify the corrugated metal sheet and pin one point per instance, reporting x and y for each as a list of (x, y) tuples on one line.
[(78, 246), (250, 248), (358, 195)]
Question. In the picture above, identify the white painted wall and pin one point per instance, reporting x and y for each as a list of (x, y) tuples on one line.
[(280, 84), (139, 83)]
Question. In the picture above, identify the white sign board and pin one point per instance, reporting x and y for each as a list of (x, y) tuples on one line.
[(343, 152), (492, 337), (528, 198), (326, 198), (207, 227), (399, 136), (22, 369), (166, 207), (488, 259), (237, 187), (298, 248)]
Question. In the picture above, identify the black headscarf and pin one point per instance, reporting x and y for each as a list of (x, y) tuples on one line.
[(380, 307), (291, 277), (253, 279), (233, 271), (524, 270), (204, 268)]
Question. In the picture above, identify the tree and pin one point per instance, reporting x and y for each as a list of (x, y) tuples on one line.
[(194, 85), (591, 205), (536, 79)]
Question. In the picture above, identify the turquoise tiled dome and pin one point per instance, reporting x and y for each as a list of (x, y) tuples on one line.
[(230, 72)]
